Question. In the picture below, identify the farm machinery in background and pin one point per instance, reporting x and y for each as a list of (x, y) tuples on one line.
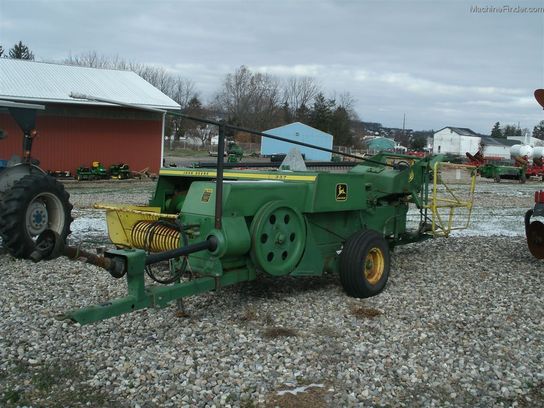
[(534, 230), (31, 201), (97, 171), (205, 229), (528, 162)]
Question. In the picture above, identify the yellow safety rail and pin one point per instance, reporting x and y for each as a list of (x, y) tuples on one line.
[(443, 204)]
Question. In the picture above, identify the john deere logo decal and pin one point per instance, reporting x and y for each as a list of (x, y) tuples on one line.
[(341, 192)]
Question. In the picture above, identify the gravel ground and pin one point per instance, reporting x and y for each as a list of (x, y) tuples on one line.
[(459, 324)]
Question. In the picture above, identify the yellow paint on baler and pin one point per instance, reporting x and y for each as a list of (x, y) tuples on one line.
[(238, 175), (121, 220)]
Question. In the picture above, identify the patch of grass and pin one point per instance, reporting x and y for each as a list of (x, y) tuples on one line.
[(45, 377), (11, 396), (275, 332), (365, 312), (55, 384)]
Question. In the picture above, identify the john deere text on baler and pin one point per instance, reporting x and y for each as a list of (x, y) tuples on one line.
[(216, 228)]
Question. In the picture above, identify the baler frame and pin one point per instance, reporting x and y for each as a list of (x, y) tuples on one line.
[(409, 182)]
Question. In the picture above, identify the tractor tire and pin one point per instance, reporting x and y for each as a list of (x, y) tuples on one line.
[(364, 264), (34, 204)]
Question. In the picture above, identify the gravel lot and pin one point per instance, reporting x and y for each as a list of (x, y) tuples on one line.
[(459, 324)]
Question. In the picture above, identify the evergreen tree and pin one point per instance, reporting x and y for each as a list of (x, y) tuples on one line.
[(302, 114), (538, 130), (286, 114), (1, 50), (418, 143), (21, 51), (340, 127), (511, 130), (496, 131), (322, 113)]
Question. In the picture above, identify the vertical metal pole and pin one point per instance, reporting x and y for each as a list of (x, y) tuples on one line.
[(219, 179)]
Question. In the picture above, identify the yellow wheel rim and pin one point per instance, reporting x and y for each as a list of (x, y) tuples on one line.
[(374, 266)]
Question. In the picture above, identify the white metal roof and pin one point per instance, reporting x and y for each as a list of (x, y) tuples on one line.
[(31, 81)]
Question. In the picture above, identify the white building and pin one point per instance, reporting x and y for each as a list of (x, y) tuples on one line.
[(459, 141), (529, 140), (497, 148)]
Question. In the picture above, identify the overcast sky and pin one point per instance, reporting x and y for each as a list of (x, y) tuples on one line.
[(437, 61)]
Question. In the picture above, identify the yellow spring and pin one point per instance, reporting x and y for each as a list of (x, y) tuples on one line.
[(154, 237)]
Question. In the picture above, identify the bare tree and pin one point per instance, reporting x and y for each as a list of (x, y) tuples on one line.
[(90, 59), (298, 92), (250, 99), (183, 91), (176, 87), (347, 102)]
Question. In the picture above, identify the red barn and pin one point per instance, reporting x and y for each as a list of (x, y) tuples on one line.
[(74, 132)]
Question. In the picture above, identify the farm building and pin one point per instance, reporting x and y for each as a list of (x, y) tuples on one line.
[(74, 132), (528, 140), (455, 140), (458, 141), (494, 147), (301, 133)]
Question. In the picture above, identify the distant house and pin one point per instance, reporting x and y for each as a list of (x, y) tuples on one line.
[(301, 133), (455, 140), (74, 132), (458, 141)]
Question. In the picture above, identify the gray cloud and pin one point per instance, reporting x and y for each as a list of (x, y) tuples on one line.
[(436, 61)]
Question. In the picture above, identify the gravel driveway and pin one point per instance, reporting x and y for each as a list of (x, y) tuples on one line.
[(460, 323)]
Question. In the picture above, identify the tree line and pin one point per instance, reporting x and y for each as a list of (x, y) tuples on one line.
[(499, 131)]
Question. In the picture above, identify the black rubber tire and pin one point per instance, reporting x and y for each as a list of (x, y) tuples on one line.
[(16, 236), (353, 259)]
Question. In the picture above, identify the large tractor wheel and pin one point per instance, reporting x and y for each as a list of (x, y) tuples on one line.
[(364, 264), (34, 204)]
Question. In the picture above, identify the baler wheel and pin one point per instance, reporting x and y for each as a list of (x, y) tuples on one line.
[(364, 264), (278, 238), (34, 204)]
